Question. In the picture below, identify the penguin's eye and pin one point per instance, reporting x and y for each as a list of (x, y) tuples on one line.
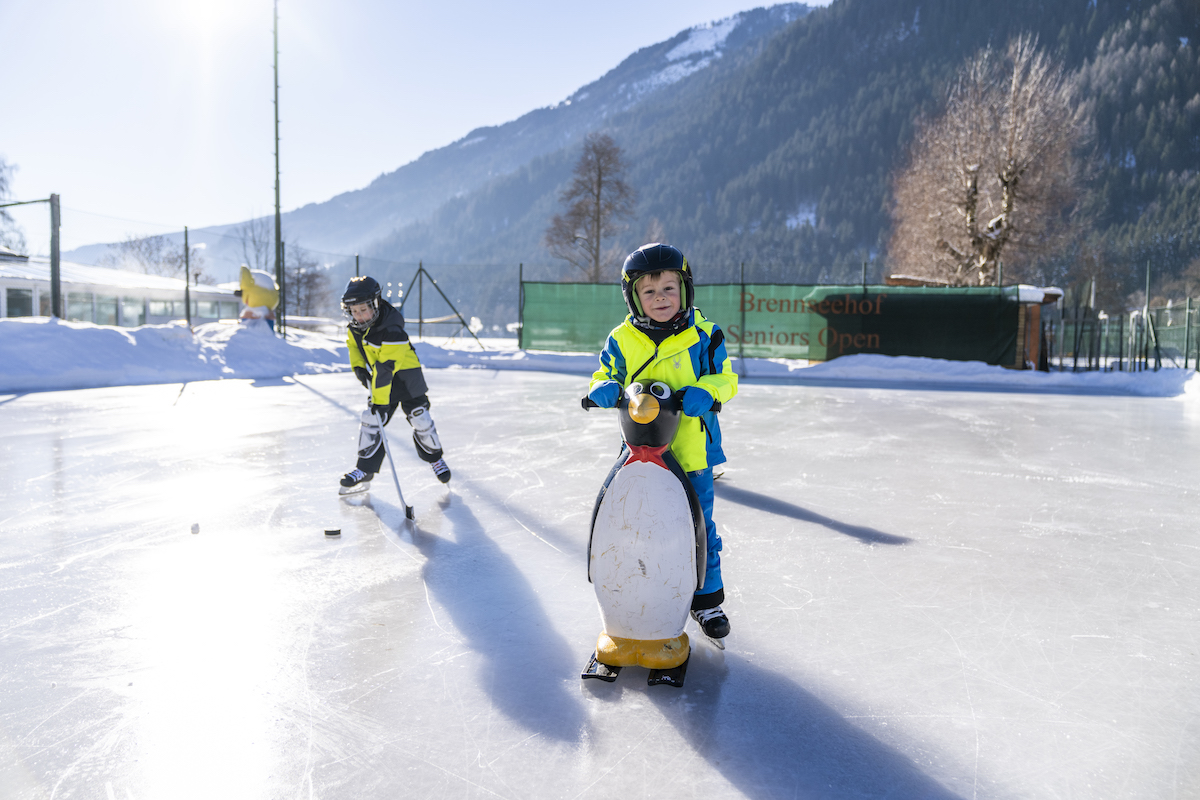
[(660, 390), (634, 389)]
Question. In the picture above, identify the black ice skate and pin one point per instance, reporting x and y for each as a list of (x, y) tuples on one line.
[(441, 470), (355, 481), (713, 624)]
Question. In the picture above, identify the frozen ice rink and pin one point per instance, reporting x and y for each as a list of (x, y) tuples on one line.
[(933, 594)]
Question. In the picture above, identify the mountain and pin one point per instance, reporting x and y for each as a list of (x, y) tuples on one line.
[(769, 140), (349, 222), (780, 157)]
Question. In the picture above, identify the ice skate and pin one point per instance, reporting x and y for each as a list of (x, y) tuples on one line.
[(355, 481), (441, 470), (713, 624), (428, 443)]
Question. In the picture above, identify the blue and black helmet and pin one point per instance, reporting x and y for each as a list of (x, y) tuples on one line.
[(648, 259)]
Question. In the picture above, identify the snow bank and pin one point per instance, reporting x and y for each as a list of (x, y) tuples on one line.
[(911, 372), (40, 354), (45, 354)]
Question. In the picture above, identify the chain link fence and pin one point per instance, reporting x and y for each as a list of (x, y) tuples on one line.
[(1080, 339)]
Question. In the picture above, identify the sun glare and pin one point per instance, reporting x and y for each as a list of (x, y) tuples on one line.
[(209, 18)]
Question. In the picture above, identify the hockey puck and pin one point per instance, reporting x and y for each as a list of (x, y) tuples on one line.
[(333, 531)]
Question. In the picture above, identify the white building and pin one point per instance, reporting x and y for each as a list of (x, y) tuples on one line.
[(105, 296)]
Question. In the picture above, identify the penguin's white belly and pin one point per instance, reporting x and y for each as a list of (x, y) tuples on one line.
[(643, 559)]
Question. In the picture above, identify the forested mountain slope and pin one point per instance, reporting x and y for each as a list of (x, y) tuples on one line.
[(780, 156)]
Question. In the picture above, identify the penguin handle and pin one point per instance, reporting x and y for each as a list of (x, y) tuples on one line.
[(588, 403)]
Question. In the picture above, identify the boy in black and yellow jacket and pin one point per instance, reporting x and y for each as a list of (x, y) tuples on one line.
[(384, 361)]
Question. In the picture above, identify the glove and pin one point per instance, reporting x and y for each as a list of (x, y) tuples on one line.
[(364, 376), (383, 412), (696, 401), (606, 394)]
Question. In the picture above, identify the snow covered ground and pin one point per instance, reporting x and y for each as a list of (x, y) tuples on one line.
[(944, 580)]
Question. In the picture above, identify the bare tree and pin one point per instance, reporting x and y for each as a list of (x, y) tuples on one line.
[(597, 199), (306, 282), (10, 233), (154, 255), (258, 241), (996, 176)]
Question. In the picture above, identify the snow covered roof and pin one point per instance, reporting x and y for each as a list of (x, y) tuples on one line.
[(37, 268)]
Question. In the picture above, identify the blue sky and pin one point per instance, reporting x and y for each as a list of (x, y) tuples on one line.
[(145, 115)]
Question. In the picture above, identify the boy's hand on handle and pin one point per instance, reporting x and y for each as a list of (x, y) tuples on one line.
[(382, 412), (696, 401), (364, 376), (606, 394)]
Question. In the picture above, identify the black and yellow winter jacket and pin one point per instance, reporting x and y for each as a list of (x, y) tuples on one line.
[(383, 350)]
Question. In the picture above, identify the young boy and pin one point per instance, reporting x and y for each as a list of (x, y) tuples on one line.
[(386, 364), (664, 338)]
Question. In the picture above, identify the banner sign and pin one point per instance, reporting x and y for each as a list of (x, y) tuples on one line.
[(817, 323)]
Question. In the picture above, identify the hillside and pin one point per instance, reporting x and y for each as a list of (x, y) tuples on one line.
[(770, 139), (781, 157)]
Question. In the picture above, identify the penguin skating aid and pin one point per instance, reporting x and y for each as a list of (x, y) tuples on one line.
[(647, 548)]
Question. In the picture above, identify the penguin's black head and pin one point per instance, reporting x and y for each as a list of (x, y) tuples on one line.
[(649, 414)]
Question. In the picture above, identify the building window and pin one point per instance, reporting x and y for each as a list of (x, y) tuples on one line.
[(79, 307), (106, 310), (160, 308), (208, 309), (20, 302), (133, 312), (229, 310)]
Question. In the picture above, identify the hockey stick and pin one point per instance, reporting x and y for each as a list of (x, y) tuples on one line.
[(387, 448)]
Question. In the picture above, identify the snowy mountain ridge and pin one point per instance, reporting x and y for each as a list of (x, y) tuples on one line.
[(350, 221)]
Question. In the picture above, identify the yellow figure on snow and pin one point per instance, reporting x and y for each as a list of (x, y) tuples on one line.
[(260, 294)]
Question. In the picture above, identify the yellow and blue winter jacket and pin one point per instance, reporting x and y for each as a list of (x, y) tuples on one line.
[(383, 350), (693, 357)]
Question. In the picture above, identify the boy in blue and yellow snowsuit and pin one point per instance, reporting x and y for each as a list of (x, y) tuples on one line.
[(665, 338)]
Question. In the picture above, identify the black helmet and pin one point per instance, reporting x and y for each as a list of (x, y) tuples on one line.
[(647, 259), (359, 291)]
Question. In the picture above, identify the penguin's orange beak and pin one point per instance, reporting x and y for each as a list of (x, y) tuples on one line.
[(643, 409)]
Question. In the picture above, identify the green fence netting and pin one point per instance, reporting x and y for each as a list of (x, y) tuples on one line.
[(787, 321)]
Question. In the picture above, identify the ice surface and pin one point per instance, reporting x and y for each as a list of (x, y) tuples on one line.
[(933, 594)]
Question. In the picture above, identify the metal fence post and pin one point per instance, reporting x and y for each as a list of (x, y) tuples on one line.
[(1121, 344), (187, 280), (1187, 336), (742, 330), (56, 301)]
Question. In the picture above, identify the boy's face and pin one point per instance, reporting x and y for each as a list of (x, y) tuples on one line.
[(362, 312), (659, 295)]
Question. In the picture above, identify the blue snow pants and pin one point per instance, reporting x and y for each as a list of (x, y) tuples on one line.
[(714, 590)]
